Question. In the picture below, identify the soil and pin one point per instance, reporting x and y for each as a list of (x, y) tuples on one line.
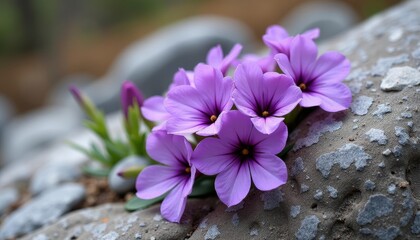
[(98, 192)]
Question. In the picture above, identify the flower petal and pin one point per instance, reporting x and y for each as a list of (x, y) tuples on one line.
[(272, 143), (173, 205), (303, 53), (284, 64), (216, 90), (233, 184), (331, 67), (280, 95), (235, 127), (249, 88), (335, 97), (266, 125), (212, 156), (215, 56), (230, 58), (311, 33), (189, 112), (154, 110), (268, 172), (168, 149), (310, 100), (156, 180)]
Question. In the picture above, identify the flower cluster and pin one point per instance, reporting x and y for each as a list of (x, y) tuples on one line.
[(236, 121)]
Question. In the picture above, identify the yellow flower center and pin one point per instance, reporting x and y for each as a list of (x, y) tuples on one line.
[(245, 152), (302, 86), (213, 118), (188, 170), (265, 114)]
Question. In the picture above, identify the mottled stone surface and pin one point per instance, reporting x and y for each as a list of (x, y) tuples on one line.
[(370, 190), (111, 221), (42, 210), (341, 184)]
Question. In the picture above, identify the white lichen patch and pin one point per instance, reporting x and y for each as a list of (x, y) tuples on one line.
[(272, 199), (398, 78), (294, 211), (332, 191), (383, 64), (382, 110), (361, 104), (317, 129), (212, 233), (402, 135), (344, 156), (377, 135)]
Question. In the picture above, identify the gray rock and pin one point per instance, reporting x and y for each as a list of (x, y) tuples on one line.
[(383, 64), (6, 112), (53, 174), (42, 210), (36, 130), (122, 185), (344, 159), (398, 78), (143, 61), (111, 221), (8, 196)]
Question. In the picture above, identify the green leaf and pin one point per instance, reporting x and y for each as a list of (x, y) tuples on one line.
[(131, 172), (96, 172), (286, 150), (136, 203), (202, 188)]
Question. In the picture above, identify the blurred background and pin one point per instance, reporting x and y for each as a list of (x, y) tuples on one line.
[(45, 45)]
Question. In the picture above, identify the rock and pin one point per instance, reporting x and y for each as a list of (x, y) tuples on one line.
[(6, 112), (398, 78), (42, 210), (332, 18), (151, 62), (37, 129), (8, 196), (122, 185), (53, 174), (111, 221), (377, 194)]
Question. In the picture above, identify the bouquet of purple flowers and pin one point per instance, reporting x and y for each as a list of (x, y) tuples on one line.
[(231, 126)]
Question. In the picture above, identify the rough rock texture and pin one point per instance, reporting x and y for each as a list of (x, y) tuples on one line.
[(346, 180), (42, 210), (111, 221)]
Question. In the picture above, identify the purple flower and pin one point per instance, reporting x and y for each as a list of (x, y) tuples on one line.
[(176, 176), (278, 40), (239, 154), (319, 79), (266, 63), (130, 95), (182, 77), (154, 110), (264, 97), (198, 109), (215, 57)]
